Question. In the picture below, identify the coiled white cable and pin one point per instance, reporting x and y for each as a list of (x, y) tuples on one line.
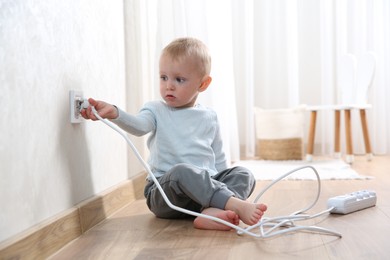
[(285, 223)]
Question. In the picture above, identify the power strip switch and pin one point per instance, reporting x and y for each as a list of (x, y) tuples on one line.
[(351, 202)]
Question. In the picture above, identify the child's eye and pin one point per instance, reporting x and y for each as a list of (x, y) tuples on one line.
[(163, 77), (180, 80)]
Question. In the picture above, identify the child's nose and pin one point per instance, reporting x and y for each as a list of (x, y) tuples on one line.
[(170, 85)]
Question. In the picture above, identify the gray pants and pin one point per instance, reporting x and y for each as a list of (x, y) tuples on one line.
[(194, 189)]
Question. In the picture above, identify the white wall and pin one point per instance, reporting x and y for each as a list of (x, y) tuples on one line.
[(48, 47)]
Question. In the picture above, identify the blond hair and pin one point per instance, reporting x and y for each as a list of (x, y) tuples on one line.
[(190, 47)]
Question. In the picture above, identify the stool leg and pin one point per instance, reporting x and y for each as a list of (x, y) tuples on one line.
[(312, 130), (337, 152), (348, 136), (365, 134)]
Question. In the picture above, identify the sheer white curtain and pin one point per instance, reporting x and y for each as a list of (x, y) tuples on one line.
[(296, 46), (267, 53)]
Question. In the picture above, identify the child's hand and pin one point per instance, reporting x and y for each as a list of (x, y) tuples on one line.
[(104, 109)]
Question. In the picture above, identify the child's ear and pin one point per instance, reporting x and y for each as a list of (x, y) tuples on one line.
[(205, 83)]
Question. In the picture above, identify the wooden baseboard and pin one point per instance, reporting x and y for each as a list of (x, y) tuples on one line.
[(43, 240), (98, 208)]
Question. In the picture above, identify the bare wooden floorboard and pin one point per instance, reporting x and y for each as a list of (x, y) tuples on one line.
[(134, 233)]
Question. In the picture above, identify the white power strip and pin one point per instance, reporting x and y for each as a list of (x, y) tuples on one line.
[(351, 202)]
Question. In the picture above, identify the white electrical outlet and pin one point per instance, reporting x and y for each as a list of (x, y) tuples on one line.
[(74, 103)]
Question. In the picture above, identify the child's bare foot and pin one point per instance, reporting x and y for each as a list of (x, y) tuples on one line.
[(249, 213), (227, 215)]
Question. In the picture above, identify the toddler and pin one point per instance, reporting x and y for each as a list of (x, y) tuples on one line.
[(186, 154)]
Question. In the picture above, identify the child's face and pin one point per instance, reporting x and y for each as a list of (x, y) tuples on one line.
[(180, 81)]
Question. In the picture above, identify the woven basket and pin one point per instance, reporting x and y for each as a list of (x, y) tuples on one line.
[(279, 133), (280, 149)]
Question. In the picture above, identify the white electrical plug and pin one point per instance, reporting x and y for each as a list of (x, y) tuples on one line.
[(84, 104)]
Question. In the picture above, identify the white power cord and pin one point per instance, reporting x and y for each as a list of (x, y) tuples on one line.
[(276, 226)]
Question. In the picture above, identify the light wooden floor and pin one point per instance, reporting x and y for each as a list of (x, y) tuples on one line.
[(134, 233)]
